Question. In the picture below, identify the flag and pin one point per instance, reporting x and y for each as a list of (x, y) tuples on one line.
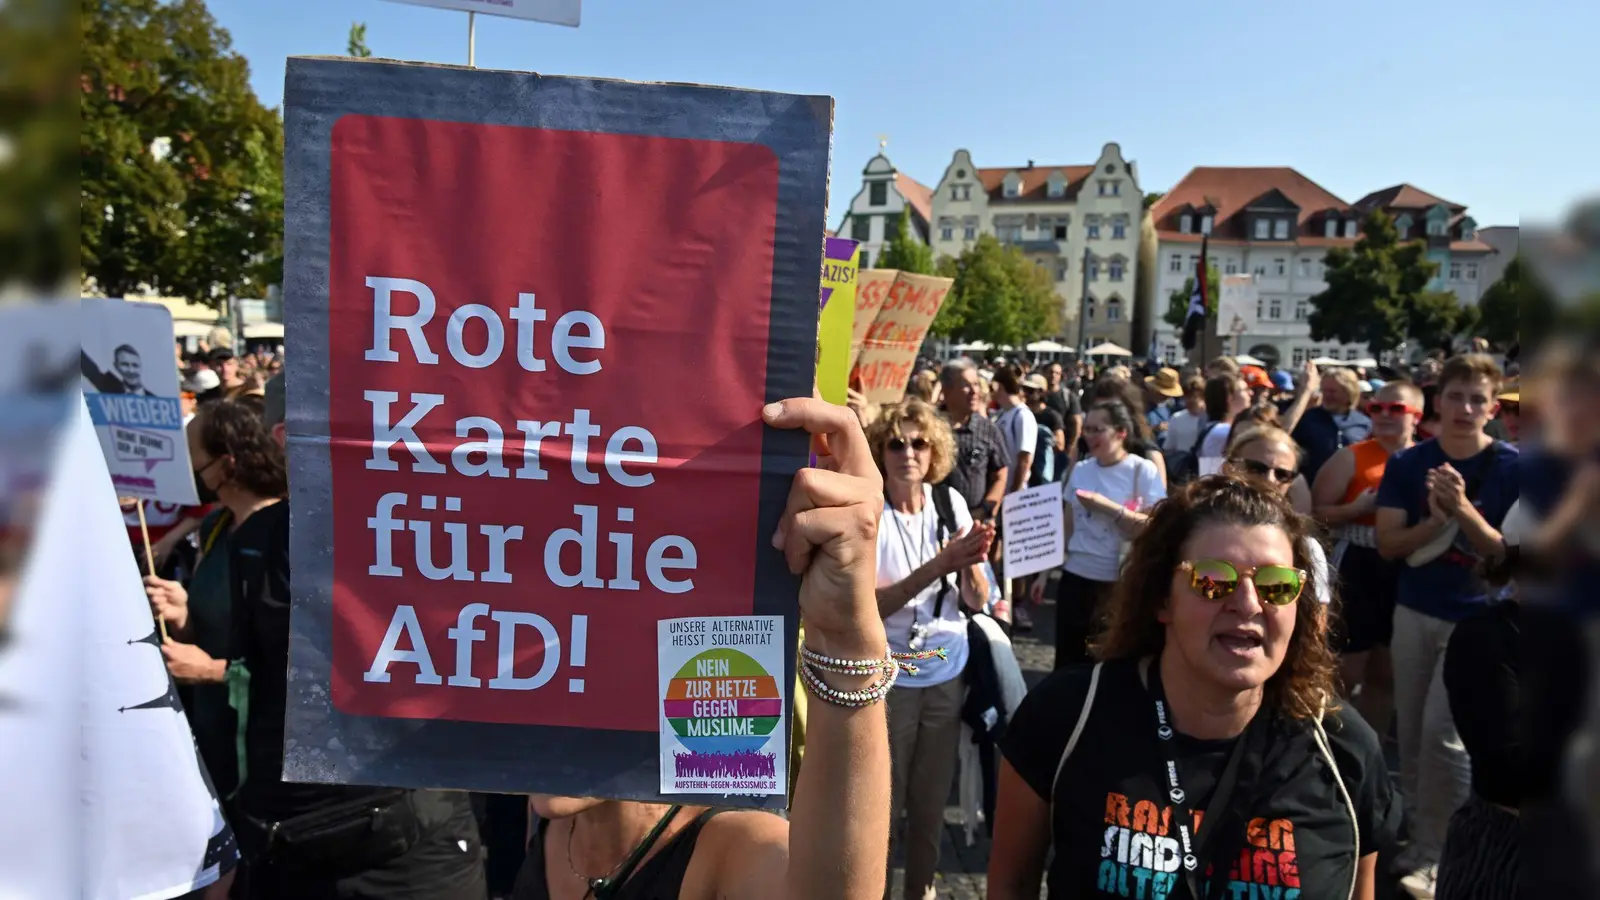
[(1199, 303), (131, 791)]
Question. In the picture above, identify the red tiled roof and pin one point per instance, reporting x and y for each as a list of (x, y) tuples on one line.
[(1035, 182), (1404, 196), (1229, 189), (919, 195), (1472, 246)]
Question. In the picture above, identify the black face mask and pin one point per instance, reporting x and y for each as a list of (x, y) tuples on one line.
[(206, 494)]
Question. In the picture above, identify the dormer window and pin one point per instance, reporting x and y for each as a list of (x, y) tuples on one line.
[(1057, 187), (1436, 227), (1468, 230), (1205, 224), (1330, 228), (1402, 227), (1350, 227), (1280, 229), (1013, 186), (1263, 229), (1185, 223)]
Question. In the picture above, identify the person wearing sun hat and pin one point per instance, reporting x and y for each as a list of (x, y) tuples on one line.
[(1160, 390)]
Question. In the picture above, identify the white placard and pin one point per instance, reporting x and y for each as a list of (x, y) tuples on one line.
[(130, 382), (724, 705), (556, 12), (1236, 307), (1034, 533)]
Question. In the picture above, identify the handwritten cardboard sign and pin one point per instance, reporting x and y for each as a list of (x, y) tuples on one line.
[(898, 308)]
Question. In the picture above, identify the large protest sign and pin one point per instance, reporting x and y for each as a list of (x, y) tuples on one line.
[(1035, 530), (836, 320), (130, 380), (543, 315), (890, 343)]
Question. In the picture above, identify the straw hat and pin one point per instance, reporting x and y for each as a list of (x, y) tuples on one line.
[(1165, 382)]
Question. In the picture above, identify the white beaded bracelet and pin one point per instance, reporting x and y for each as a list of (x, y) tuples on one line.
[(849, 699)]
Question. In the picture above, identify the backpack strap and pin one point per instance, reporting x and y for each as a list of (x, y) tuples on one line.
[(944, 508), (1072, 742)]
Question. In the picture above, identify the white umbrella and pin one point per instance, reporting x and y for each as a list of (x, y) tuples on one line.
[(1365, 362), (1246, 359), (1045, 347), (1328, 361), (975, 345), (1107, 349)]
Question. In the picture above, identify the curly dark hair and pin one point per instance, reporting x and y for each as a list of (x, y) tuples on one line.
[(1304, 685), (233, 430)]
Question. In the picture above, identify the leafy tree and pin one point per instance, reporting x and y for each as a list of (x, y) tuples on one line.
[(1518, 301), (1373, 288), (1433, 317), (38, 144), (357, 44), (998, 296), (1178, 301), (905, 252), (182, 167), (1151, 198)]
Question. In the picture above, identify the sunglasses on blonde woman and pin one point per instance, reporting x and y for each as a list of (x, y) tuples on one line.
[(1262, 470), (898, 445), (1215, 579)]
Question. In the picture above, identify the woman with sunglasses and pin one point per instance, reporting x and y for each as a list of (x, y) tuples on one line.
[(1346, 499), (1107, 493), (1201, 756), (930, 565)]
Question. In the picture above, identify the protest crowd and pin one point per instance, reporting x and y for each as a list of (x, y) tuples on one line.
[(1309, 574)]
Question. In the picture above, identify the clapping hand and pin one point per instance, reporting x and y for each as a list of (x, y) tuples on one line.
[(966, 550), (1100, 503), (1447, 490)]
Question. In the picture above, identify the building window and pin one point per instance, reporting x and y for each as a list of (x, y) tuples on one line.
[(1008, 233), (1260, 269), (969, 229), (866, 260), (1301, 310), (1472, 271), (1299, 356), (1280, 229), (1436, 227), (1094, 270), (947, 229), (1116, 188), (1263, 229), (1330, 228), (1467, 231), (1279, 267), (1043, 227), (1116, 269), (1352, 354), (1305, 267), (1455, 271), (1402, 227), (1275, 309), (1057, 188), (1205, 224), (861, 228), (1194, 262), (1233, 267), (1114, 310), (1176, 263), (1088, 308), (1119, 229), (961, 192), (1093, 226), (1185, 223), (1061, 270), (1061, 228), (878, 193), (1260, 309), (1350, 229)]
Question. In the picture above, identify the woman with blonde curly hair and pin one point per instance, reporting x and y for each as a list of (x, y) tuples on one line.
[(930, 564), (1204, 747)]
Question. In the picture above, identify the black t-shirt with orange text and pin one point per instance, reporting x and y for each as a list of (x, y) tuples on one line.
[(1287, 833)]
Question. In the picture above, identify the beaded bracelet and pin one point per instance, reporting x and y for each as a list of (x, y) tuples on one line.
[(869, 666), (850, 699)]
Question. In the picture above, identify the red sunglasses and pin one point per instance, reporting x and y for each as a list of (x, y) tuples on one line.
[(1392, 409)]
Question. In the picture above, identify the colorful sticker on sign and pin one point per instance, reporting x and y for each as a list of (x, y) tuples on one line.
[(722, 705)]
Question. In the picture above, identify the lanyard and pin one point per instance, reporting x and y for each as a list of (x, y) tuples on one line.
[(1193, 843), (912, 563)]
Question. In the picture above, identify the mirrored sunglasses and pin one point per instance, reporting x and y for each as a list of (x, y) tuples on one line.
[(1215, 579)]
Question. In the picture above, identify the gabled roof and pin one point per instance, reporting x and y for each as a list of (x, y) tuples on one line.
[(1035, 181), (1404, 196), (919, 195), (1230, 189)]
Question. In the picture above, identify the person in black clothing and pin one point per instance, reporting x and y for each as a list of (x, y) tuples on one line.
[(980, 472), (835, 842), (1062, 397), (1202, 756), (314, 841)]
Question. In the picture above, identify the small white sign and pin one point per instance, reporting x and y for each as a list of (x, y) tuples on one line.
[(723, 705), (556, 12), (1236, 308), (129, 374), (1032, 524)]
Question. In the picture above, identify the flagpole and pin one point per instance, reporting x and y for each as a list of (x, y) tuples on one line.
[(472, 39), (1083, 306)]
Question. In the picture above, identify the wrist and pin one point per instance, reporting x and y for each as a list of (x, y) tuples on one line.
[(866, 641)]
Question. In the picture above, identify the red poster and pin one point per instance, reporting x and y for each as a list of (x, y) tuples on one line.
[(543, 430)]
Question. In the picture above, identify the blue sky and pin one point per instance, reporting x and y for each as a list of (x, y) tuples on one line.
[(1484, 103)]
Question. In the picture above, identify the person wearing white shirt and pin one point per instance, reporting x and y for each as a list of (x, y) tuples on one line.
[(930, 564), (1019, 428), (1183, 431), (1107, 494), (1226, 397)]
